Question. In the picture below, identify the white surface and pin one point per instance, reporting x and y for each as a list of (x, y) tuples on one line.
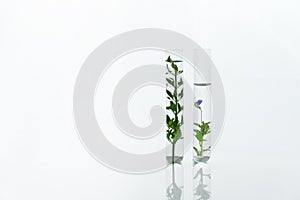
[(43, 44)]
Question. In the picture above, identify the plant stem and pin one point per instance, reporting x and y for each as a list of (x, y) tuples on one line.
[(176, 118), (201, 143), (201, 148), (201, 114), (176, 99), (173, 163)]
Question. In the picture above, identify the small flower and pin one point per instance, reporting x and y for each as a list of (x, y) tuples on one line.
[(199, 102)]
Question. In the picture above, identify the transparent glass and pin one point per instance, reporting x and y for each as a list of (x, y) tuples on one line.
[(174, 132), (202, 136)]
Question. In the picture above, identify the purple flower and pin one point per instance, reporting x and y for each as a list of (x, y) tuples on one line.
[(199, 102)]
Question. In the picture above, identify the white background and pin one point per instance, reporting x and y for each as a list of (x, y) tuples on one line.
[(43, 43)]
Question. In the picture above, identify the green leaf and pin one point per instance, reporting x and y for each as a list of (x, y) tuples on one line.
[(180, 83), (202, 84), (170, 81), (174, 67), (196, 150), (172, 107), (197, 131), (169, 136), (178, 135), (169, 60), (208, 149), (197, 125), (169, 71), (199, 137), (169, 94), (181, 120), (177, 60), (179, 107), (168, 119), (180, 95)]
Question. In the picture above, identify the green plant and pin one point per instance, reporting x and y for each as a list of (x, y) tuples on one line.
[(174, 95), (201, 131)]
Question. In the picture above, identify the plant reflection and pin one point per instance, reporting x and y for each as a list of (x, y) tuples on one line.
[(201, 191), (174, 192)]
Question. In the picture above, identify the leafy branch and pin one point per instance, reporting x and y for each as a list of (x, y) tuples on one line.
[(202, 129), (174, 95)]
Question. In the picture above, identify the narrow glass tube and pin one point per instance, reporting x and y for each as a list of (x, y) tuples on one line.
[(202, 137), (174, 128)]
